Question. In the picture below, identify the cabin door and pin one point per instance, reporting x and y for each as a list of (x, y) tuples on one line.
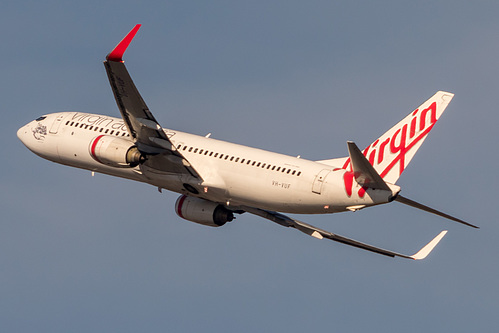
[(319, 181)]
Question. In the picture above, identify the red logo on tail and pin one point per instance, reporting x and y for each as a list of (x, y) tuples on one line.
[(396, 146)]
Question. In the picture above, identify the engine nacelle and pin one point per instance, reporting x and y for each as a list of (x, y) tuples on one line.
[(115, 152), (202, 211)]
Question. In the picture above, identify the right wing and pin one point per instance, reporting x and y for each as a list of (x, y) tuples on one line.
[(318, 233), (148, 135)]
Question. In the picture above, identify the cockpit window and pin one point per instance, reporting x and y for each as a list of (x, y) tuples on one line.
[(41, 118)]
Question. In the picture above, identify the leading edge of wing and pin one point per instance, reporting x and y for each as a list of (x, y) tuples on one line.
[(318, 233)]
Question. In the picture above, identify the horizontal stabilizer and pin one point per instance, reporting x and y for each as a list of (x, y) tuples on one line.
[(364, 172), (417, 205)]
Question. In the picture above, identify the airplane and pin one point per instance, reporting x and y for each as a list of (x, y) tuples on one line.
[(217, 180)]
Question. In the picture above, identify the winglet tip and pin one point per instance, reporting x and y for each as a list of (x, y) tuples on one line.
[(425, 251), (117, 53)]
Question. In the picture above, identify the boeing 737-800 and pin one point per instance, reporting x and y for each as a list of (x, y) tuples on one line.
[(218, 179)]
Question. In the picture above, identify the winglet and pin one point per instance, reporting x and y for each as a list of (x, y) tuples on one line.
[(117, 53), (429, 247)]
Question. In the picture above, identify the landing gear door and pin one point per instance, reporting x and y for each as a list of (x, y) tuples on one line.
[(57, 123), (319, 181)]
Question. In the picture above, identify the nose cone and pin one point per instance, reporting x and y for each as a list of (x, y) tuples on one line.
[(33, 135), (22, 134), (37, 138)]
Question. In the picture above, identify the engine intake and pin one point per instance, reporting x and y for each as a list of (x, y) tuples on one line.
[(115, 152), (202, 211)]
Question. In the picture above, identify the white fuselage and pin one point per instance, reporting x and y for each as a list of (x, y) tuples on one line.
[(232, 174)]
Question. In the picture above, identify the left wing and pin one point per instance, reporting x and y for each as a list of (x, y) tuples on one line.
[(320, 234), (141, 124)]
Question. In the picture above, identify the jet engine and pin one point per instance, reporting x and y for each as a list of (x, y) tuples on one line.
[(115, 152), (202, 211)]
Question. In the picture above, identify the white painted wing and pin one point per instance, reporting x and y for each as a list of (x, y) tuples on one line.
[(320, 234)]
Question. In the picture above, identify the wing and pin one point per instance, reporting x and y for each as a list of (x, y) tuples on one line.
[(320, 234), (148, 135)]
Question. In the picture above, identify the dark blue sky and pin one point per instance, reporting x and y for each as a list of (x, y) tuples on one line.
[(102, 254)]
